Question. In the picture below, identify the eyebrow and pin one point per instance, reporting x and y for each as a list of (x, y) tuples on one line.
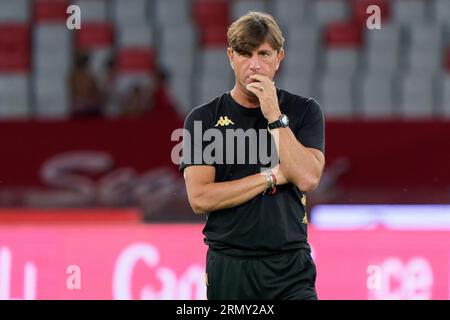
[(242, 52)]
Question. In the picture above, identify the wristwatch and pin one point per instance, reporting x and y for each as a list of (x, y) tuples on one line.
[(282, 122)]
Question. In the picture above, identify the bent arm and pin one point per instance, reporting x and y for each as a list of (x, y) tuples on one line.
[(302, 166), (205, 195)]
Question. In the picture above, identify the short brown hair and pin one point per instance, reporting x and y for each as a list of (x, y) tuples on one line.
[(251, 30)]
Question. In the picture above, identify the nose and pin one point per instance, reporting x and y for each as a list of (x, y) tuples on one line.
[(254, 63)]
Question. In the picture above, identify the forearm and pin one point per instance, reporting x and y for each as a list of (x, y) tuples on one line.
[(299, 165), (222, 195)]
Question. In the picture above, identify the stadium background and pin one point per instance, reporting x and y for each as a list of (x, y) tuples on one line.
[(98, 195)]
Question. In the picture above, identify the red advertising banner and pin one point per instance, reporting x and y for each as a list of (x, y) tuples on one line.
[(382, 264), (101, 262), (166, 261), (130, 162)]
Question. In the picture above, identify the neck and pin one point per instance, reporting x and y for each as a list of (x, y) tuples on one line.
[(244, 97)]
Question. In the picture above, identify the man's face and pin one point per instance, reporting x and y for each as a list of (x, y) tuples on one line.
[(264, 60)]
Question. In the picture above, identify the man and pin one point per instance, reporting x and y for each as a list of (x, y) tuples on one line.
[(256, 226)]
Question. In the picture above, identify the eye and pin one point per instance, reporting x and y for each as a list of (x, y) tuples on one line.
[(244, 54), (264, 54)]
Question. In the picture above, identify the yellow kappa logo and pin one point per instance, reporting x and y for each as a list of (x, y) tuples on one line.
[(305, 219), (223, 121), (303, 200)]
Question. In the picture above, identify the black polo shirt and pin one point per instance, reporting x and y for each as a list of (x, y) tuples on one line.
[(267, 223)]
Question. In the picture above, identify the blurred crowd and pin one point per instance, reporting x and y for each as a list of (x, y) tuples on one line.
[(93, 94)]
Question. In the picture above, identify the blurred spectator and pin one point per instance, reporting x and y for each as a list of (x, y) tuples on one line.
[(108, 85), (136, 102), (162, 104), (85, 95)]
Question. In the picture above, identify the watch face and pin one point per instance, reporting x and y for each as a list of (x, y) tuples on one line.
[(284, 120)]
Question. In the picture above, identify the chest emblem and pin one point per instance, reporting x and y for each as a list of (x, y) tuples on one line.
[(223, 121)]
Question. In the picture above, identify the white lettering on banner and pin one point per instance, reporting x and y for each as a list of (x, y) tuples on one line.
[(69, 176), (374, 278), (404, 281), (29, 282), (190, 284)]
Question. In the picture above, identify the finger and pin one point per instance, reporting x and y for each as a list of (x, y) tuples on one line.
[(255, 88), (258, 85), (266, 81), (260, 78)]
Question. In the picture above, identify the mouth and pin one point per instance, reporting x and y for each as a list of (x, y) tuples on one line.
[(249, 80)]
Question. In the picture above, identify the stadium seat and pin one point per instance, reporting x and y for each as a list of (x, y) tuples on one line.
[(241, 7), (212, 20), (290, 12), (171, 13), (445, 97), (136, 59), (360, 14), (93, 11), (416, 95), (14, 96), (214, 37), (97, 39), (343, 35), (214, 62), (211, 86), (328, 11), (173, 40), (335, 95), (301, 48), (95, 35), (181, 87), (131, 35), (447, 60), (14, 47), (208, 13), (425, 50), (51, 68), (126, 14), (441, 9), (375, 95), (409, 12), (383, 49), (50, 97), (342, 60), (17, 11), (297, 83), (50, 10), (47, 60)]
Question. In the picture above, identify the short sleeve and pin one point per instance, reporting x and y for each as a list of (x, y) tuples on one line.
[(311, 132), (195, 125)]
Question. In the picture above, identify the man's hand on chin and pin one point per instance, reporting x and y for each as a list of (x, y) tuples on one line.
[(264, 88)]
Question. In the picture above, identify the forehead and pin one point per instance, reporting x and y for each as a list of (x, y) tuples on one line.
[(264, 46)]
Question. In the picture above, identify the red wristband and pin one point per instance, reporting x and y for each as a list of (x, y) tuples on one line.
[(274, 184)]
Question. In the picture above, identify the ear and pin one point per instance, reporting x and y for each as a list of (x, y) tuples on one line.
[(280, 57), (230, 56)]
